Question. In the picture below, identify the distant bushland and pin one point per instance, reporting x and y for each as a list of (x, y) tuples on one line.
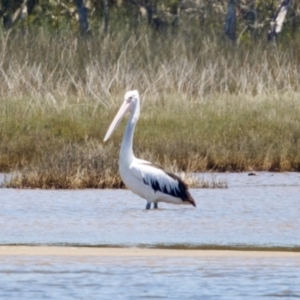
[(206, 105)]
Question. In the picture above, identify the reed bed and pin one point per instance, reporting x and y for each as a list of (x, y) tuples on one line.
[(206, 105)]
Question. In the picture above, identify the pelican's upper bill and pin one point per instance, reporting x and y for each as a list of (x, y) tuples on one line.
[(129, 99)]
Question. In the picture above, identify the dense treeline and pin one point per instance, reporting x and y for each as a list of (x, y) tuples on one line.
[(238, 19)]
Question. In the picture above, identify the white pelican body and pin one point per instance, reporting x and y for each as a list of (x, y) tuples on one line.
[(145, 179)]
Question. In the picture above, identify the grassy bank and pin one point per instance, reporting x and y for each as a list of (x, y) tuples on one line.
[(221, 133), (206, 106)]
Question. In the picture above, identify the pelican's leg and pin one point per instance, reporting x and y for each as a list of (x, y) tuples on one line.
[(155, 205), (148, 206)]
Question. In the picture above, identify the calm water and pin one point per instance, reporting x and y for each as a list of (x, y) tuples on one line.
[(261, 210), (149, 278)]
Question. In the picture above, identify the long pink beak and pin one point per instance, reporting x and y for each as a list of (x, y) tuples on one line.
[(117, 120)]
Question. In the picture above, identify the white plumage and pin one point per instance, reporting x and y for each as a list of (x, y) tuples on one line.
[(147, 180)]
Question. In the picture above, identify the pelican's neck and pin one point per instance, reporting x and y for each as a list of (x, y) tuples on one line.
[(126, 153)]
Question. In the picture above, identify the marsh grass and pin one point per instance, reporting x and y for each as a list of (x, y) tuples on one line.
[(206, 106), (195, 181), (221, 133), (73, 167)]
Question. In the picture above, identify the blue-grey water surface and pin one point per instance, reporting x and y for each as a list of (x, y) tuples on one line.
[(149, 278), (261, 210)]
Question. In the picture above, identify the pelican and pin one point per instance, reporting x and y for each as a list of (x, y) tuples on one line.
[(143, 178)]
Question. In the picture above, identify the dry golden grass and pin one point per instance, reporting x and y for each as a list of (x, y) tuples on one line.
[(73, 166), (194, 181), (52, 69), (87, 166), (205, 105)]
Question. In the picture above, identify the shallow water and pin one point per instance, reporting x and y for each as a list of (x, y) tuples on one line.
[(255, 211), (260, 210), (148, 278)]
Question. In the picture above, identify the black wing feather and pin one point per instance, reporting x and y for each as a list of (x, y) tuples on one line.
[(180, 190)]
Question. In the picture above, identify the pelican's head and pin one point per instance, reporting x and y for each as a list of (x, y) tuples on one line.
[(132, 96), (131, 102)]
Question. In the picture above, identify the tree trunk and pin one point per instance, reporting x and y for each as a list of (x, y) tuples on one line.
[(83, 17), (12, 14), (249, 13), (230, 23), (105, 13), (278, 20), (294, 17), (6, 13)]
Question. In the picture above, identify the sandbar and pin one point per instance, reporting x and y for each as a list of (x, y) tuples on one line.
[(134, 252)]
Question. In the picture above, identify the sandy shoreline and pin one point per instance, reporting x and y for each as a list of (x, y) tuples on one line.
[(133, 252)]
